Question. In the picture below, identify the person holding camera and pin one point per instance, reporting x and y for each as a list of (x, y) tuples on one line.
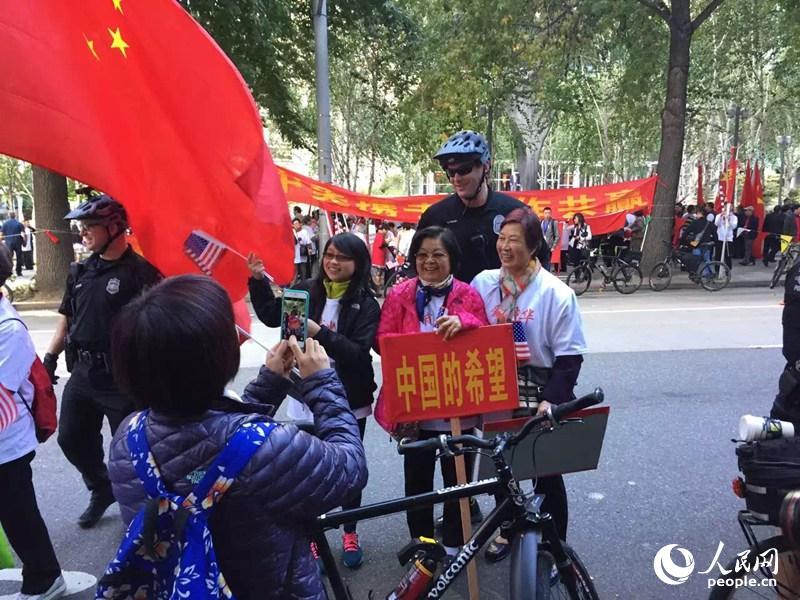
[(97, 289), (474, 211)]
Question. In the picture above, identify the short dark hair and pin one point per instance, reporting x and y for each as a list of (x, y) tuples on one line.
[(449, 241), (6, 267), (531, 227), (298, 220), (547, 208), (175, 346), (350, 245)]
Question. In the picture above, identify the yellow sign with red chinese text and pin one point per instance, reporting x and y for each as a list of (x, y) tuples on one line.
[(604, 206), (427, 378)]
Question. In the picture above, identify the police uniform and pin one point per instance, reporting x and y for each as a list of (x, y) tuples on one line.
[(476, 229), (96, 291), (787, 403)]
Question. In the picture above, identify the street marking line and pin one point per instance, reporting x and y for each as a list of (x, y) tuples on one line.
[(760, 346), (676, 309)]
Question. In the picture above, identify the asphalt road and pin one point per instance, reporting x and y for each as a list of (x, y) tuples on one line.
[(678, 369)]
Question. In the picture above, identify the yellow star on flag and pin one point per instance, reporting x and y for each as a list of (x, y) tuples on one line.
[(118, 5), (118, 42), (90, 43)]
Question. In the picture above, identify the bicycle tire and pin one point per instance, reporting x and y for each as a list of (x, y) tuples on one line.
[(660, 277), (389, 283), (714, 276), (778, 272), (734, 588), (580, 279), (626, 278), (550, 586)]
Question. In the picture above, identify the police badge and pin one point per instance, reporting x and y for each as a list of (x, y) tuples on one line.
[(112, 287)]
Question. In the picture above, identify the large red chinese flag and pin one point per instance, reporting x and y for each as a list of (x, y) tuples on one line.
[(700, 199), (135, 99)]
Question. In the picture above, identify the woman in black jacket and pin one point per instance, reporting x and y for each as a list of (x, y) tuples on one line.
[(343, 318)]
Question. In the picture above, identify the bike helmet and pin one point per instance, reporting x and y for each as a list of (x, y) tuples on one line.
[(102, 208), (462, 145)]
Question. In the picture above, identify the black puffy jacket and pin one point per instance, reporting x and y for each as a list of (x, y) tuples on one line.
[(349, 346), (261, 527)]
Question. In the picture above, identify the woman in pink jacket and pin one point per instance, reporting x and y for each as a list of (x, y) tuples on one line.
[(432, 301)]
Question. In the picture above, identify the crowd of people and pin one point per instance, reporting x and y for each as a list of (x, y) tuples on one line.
[(153, 357)]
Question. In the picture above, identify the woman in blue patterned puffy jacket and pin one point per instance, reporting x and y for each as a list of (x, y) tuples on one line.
[(174, 349)]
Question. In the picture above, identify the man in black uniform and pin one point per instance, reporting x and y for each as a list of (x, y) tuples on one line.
[(475, 211), (97, 289)]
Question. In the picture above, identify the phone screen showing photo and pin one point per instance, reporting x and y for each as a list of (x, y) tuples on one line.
[(294, 316)]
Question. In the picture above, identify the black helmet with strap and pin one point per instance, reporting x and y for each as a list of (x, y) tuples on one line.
[(106, 211)]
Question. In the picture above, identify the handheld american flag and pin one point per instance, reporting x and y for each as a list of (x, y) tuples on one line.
[(8, 408), (204, 250), (521, 348)]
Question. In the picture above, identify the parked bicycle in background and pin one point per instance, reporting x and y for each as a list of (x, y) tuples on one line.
[(711, 275), (623, 273)]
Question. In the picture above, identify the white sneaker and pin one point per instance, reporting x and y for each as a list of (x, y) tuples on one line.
[(56, 590)]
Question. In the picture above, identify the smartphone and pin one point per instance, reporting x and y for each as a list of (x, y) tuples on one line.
[(294, 315)]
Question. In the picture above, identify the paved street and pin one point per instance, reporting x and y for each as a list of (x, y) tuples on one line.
[(678, 369)]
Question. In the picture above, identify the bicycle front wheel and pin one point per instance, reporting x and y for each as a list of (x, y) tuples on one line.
[(627, 278), (580, 279), (778, 272), (550, 583), (660, 277), (714, 276), (751, 578)]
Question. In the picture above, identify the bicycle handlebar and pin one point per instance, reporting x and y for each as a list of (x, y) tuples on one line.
[(555, 414)]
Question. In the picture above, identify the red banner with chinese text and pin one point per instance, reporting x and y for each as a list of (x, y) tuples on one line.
[(427, 378), (604, 206)]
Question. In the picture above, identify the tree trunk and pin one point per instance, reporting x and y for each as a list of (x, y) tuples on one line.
[(530, 128), (50, 205), (673, 131)]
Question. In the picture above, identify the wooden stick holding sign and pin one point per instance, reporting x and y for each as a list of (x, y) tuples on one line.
[(463, 506)]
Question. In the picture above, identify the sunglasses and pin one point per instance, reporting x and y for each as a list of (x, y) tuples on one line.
[(462, 170)]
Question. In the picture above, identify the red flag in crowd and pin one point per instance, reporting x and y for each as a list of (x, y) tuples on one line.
[(758, 194), (136, 100), (719, 201), (730, 177)]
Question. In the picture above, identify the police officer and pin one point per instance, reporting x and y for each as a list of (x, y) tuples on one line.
[(475, 211), (97, 289), (787, 403)]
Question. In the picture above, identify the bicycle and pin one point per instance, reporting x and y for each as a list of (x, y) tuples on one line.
[(624, 274), (788, 258), (397, 275), (711, 275), (542, 566)]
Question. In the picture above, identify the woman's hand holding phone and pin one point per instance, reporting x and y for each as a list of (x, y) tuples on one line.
[(314, 358), (280, 359)]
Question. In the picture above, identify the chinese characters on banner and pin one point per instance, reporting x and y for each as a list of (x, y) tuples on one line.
[(603, 206), (427, 378)]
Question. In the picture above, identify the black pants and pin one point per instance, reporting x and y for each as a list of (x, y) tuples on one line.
[(27, 259), (771, 245), (355, 501), (419, 467), (555, 501), (16, 251), (89, 396), (24, 526)]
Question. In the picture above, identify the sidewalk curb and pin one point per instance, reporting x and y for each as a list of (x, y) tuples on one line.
[(26, 305)]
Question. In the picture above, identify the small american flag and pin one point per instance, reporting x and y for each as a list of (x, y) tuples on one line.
[(521, 342), (204, 250), (8, 408)]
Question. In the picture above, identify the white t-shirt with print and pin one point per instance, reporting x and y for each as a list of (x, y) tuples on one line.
[(549, 310), (16, 357), (330, 314)]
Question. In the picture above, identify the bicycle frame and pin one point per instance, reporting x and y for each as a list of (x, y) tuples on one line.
[(510, 515)]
